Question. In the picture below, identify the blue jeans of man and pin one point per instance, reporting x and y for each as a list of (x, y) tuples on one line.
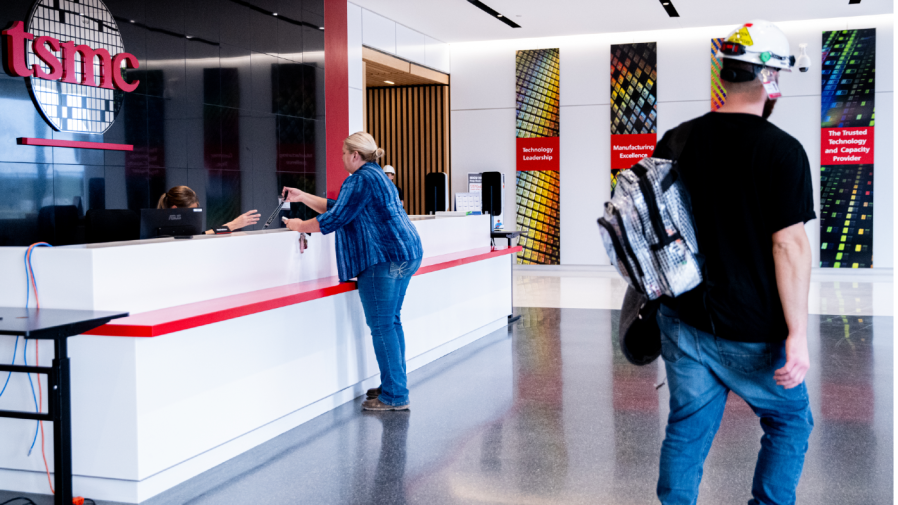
[(701, 371), (382, 290)]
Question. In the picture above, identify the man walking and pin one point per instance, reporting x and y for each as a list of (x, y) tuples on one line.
[(745, 328), (391, 174)]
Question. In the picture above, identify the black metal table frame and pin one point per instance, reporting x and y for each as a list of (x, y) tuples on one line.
[(59, 403), (508, 235)]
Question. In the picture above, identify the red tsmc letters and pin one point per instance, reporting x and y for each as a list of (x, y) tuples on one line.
[(14, 60), (40, 49), (15, 64)]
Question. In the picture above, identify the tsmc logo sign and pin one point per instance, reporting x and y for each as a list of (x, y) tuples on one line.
[(45, 48), (73, 59)]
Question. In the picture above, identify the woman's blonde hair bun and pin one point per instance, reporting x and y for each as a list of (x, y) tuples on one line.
[(364, 144)]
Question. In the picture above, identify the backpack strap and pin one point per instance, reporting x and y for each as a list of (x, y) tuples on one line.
[(678, 138)]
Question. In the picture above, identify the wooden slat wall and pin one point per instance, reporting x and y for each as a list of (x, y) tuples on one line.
[(411, 123)]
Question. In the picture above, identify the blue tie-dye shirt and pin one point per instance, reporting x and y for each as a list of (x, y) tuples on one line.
[(371, 225)]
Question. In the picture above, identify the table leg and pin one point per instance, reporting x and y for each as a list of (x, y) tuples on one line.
[(512, 318), (62, 425)]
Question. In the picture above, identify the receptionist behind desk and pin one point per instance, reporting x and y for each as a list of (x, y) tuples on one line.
[(182, 197)]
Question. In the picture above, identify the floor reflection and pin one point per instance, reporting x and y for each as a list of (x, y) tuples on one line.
[(389, 476), (550, 413)]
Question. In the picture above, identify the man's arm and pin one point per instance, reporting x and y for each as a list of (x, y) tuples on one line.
[(792, 260)]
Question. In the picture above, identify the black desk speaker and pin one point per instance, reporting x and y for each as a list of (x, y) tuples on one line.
[(491, 195), (436, 192)]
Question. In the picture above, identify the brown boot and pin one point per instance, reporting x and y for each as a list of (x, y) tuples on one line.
[(376, 404), (373, 393)]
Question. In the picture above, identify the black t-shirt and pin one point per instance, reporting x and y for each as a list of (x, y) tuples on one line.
[(747, 180), (401, 196)]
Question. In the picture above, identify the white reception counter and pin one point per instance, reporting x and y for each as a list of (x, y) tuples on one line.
[(232, 340)]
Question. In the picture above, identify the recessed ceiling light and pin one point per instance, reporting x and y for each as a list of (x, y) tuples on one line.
[(389, 82), (321, 28), (492, 12), (132, 20), (669, 8), (274, 13), (189, 36)]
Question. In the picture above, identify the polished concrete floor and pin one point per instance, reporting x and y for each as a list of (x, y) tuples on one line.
[(549, 412)]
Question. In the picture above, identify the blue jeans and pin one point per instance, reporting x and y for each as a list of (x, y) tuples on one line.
[(382, 290), (701, 371)]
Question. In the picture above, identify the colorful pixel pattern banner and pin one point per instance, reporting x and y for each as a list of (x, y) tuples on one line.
[(634, 104), (536, 136), (846, 148), (718, 92)]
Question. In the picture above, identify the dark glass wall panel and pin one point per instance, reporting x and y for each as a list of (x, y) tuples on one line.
[(313, 39), (230, 103)]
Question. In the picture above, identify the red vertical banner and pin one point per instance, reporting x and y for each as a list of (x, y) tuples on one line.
[(634, 104), (848, 120), (537, 157)]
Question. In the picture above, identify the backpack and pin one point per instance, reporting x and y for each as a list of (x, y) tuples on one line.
[(648, 230)]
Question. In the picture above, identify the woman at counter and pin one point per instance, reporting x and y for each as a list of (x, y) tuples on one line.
[(182, 197), (377, 243)]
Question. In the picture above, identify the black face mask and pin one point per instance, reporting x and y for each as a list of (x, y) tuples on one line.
[(768, 108)]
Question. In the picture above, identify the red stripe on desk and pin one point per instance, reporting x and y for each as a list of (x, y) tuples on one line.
[(445, 261), (184, 317), (27, 141)]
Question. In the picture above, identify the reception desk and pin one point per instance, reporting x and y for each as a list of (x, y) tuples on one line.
[(232, 340)]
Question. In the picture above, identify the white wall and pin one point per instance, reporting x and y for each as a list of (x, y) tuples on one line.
[(369, 29), (483, 111), (356, 77)]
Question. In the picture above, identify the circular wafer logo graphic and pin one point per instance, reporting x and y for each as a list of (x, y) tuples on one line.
[(72, 56)]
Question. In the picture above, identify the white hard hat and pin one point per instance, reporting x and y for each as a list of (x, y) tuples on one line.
[(388, 169), (760, 43)]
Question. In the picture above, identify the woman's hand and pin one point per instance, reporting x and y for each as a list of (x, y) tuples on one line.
[(293, 224), (248, 219), (294, 195), (309, 226)]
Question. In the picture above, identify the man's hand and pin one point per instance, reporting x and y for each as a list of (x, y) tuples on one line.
[(248, 219), (792, 260), (797, 362), (294, 195)]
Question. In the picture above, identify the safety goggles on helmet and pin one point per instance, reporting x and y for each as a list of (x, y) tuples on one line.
[(737, 49)]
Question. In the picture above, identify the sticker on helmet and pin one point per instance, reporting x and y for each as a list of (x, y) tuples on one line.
[(741, 37)]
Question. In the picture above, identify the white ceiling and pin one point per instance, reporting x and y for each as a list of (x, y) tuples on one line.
[(459, 21)]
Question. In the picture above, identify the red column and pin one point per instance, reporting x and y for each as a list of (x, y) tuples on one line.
[(336, 95)]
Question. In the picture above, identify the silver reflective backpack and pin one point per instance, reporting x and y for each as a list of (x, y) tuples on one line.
[(648, 230)]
